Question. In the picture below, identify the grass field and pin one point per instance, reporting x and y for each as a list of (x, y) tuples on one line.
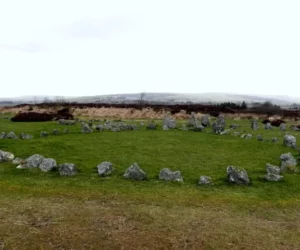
[(46, 211)]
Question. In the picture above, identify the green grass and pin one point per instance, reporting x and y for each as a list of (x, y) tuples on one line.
[(158, 211)]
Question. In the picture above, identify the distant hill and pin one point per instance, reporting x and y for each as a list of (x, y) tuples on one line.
[(161, 97)]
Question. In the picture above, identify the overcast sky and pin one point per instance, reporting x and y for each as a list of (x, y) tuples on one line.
[(94, 47)]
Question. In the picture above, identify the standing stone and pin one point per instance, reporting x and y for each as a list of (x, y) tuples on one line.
[(234, 126), (34, 161), (105, 168), (219, 125), (198, 128), (12, 135), (55, 132), (205, 121), (268, 126), (193, 121), (17, 161), (205, 180), (183, 127), (236, 175), (99, 128), (167, 175), (288, 163), (289, 141), (254, 125), (67, 169), (271, 169), (274, 140), (259, 137), (134, 172), (26, 136), (2, 135), (47, 164), (44, 134), (282, 127), (6, 156), (85, 128), (151, 126), (246, 136), (168, 122)]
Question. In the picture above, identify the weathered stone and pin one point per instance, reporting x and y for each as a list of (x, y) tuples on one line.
[(199, 128), (268, 126), (99, 128), (183, 127), (26, 136), (2, 135), (193, 121), (85, 128), (44, 134), (67, 169), (66, 122), (168, 122), (235, 133), (246, 136), (34, 161), (47, 164), (219, 125), (205, 180), (254, 125), (205, 121), (165, 127), (17, 161), (6, 156), (271, 169), (105, 168), (273, 177), (234, 126), (11, 135), (259, 138), (55, 132), (289, 141), (282, 126), (134, 172), (288, 163), (236, 175), (274, 140), (167, 175)]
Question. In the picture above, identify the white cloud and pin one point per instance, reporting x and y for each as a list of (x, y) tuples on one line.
[(101, 47)]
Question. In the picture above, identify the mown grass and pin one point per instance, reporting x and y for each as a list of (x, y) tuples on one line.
[(45, 211)]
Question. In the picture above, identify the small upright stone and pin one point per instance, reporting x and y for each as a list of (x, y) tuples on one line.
[(167, 175), (193, 121), (274, 140), (273, 177), (151, 126), (105, 168), (85, 128), (2, 135), (254, 125), (26, 136), (268, 126), (282, 127), (134, 172), (271, 169), (6, 156), (219, 125), (99, 128), (236, 175), (288, 163), (67, 169), (55, 132), (205, 121), (44, 134), (12, 135), (168, 122), (34, 161), (259, 138)]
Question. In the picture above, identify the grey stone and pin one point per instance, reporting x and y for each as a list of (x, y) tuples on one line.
[(259, 138), (271, 169), (134, 172), (193, 121), (254, 124), (246, 136), (17, 161), (234, 126), (26, 136), (199, 128), (268, 126), (151, 126), (219, 125), (274, 140), (288, 163), (273, 177), (2, 135), (183, 127), (34, 161), (44, 134), (282, 126), (165, 127), (169, 122), (66, 122), (235, 133), (289, 141), (205, 121), (47, 164), (236, 175), (105, 168), (11, 135), (55, 132), (99, 127), (85, 128), (205, 180), (6, 156), (67, 169), (167, 175)]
